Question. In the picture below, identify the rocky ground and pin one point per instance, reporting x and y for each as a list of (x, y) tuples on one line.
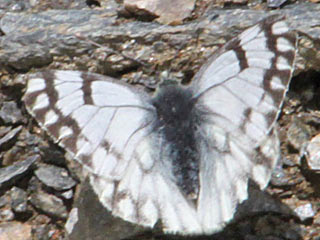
[(39, 186)]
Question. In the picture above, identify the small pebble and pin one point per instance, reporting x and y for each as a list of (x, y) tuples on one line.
[(6, 215), (313, 153), (67, 194), (18, 199), (305, 211), (12, 172), (55, 177), (49, 204), (10, 113)]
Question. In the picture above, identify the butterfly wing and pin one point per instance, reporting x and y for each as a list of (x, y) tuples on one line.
[(107, 127), (80, 111), (242, 88)]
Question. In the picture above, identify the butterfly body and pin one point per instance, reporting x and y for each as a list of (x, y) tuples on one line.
[(177, 121), (184, 156)]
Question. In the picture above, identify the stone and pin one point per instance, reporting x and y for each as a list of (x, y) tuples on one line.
[(4, 130), (6, 215), (55, 177), (313, 153), (10, 135), (49, 204), (16, 231), (165, 11), (10, 113), (23, 50), (298, 134), (305, 211), (4, 200), (90, 220), (13, 172), (275, 3), (259, 202), (42, 232), (18, 200), (72, 220), (67, 194), (279, 178)]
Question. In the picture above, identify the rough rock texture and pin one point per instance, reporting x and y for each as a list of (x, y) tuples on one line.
[(55, 34), (12, 173), (49, 204), (55, 177), (313, 153), (164, 11), (42, 36), (15, 230)]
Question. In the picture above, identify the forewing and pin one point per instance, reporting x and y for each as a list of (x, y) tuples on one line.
[(244, 83), (241, 90), (95, 118)]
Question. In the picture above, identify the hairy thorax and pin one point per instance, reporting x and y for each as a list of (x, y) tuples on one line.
[(178, 121)]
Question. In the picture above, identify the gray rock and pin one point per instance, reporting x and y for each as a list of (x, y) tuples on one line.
[(15, 5), (316, 219), (92, 221), (47, 232), (305, 211), (12, 155), (6, 215), (275, 3), (26, 139), (49, 204), (5, 4), (4, 200), (34, 184), (10, 135), (259, 202), (280, 178), (55, 177), (18, 7), (42, 232), (18, 200), (27, 58), (12, 173), (4, 130), (298, 135), (40, 36), (67, 194), (72, 220), (313, 153), (37, 47), (10, 113)]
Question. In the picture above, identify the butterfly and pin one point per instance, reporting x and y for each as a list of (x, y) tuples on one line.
[(185, 154)]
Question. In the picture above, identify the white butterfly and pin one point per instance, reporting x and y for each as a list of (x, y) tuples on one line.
[(184, 155)]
